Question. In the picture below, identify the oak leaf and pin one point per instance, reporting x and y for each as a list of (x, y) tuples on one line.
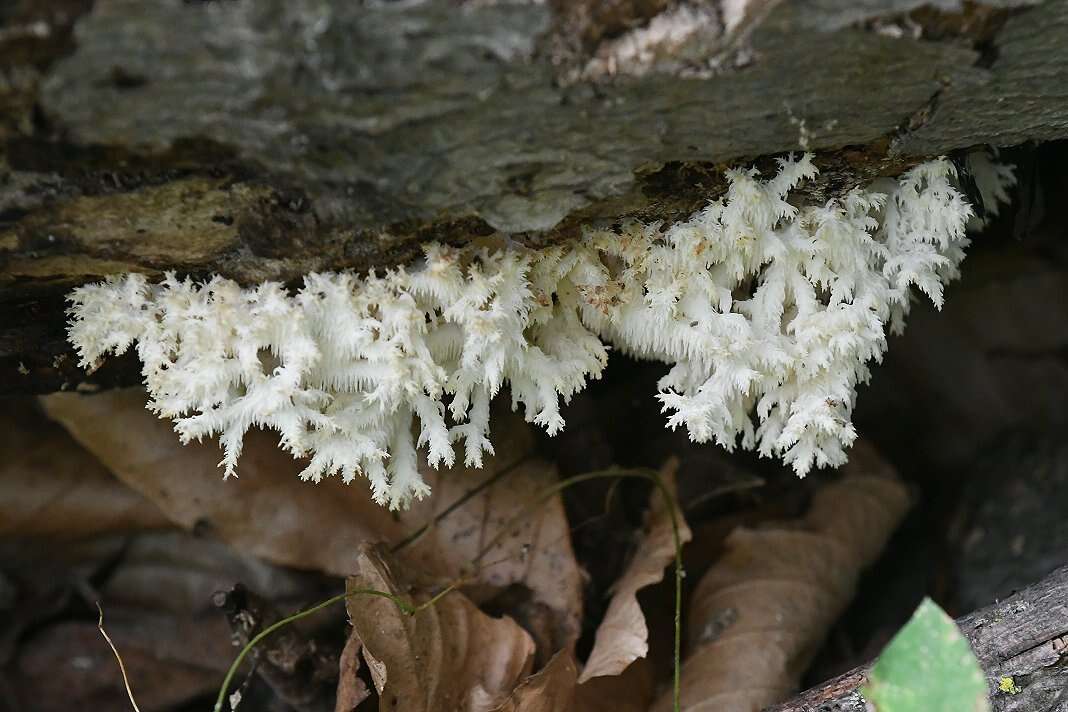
[(351, 689)]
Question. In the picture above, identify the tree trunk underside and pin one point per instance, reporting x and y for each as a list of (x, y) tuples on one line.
[(266, 140)]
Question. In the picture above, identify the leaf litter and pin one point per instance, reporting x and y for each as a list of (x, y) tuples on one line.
[(493, 552)]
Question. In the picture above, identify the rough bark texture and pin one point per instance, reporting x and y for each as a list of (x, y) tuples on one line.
[(1022, 639), (264, 140)]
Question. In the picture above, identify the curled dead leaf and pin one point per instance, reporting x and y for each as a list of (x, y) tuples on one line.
[(761, 611), (623, 635), (551, 690), (351, 690), (448, 656), (630, 691)]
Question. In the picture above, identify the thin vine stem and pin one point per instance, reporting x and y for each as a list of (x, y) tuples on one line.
[(221, 699), (548, 493), (459, 502)]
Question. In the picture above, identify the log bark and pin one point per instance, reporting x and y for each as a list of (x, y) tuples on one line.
[(265, 140), (1021, 643)]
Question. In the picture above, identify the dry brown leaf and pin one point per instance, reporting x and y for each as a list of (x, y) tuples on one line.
[(762, 610), (555, 688), (630, 691), (51, 487), (623, 635), (551, 690), (269, 512), (266, 511), (351, 690), (508, 534), (449, 656)]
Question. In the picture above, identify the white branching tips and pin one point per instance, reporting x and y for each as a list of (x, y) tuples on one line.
[(769, 314)]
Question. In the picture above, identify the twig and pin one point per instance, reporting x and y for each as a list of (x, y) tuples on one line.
[(122, 667)]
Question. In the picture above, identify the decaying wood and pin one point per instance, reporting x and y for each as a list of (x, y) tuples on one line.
[(265, 140), (1021, 642)]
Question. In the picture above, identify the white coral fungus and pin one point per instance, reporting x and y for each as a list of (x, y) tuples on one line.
[(769, 314)]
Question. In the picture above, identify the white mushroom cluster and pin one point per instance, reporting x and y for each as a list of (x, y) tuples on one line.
[(767, 312)]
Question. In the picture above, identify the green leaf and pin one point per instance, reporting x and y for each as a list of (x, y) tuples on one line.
[(928, 667)]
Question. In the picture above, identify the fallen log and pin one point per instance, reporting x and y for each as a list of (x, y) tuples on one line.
[(1021, 643), (296, 136)]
